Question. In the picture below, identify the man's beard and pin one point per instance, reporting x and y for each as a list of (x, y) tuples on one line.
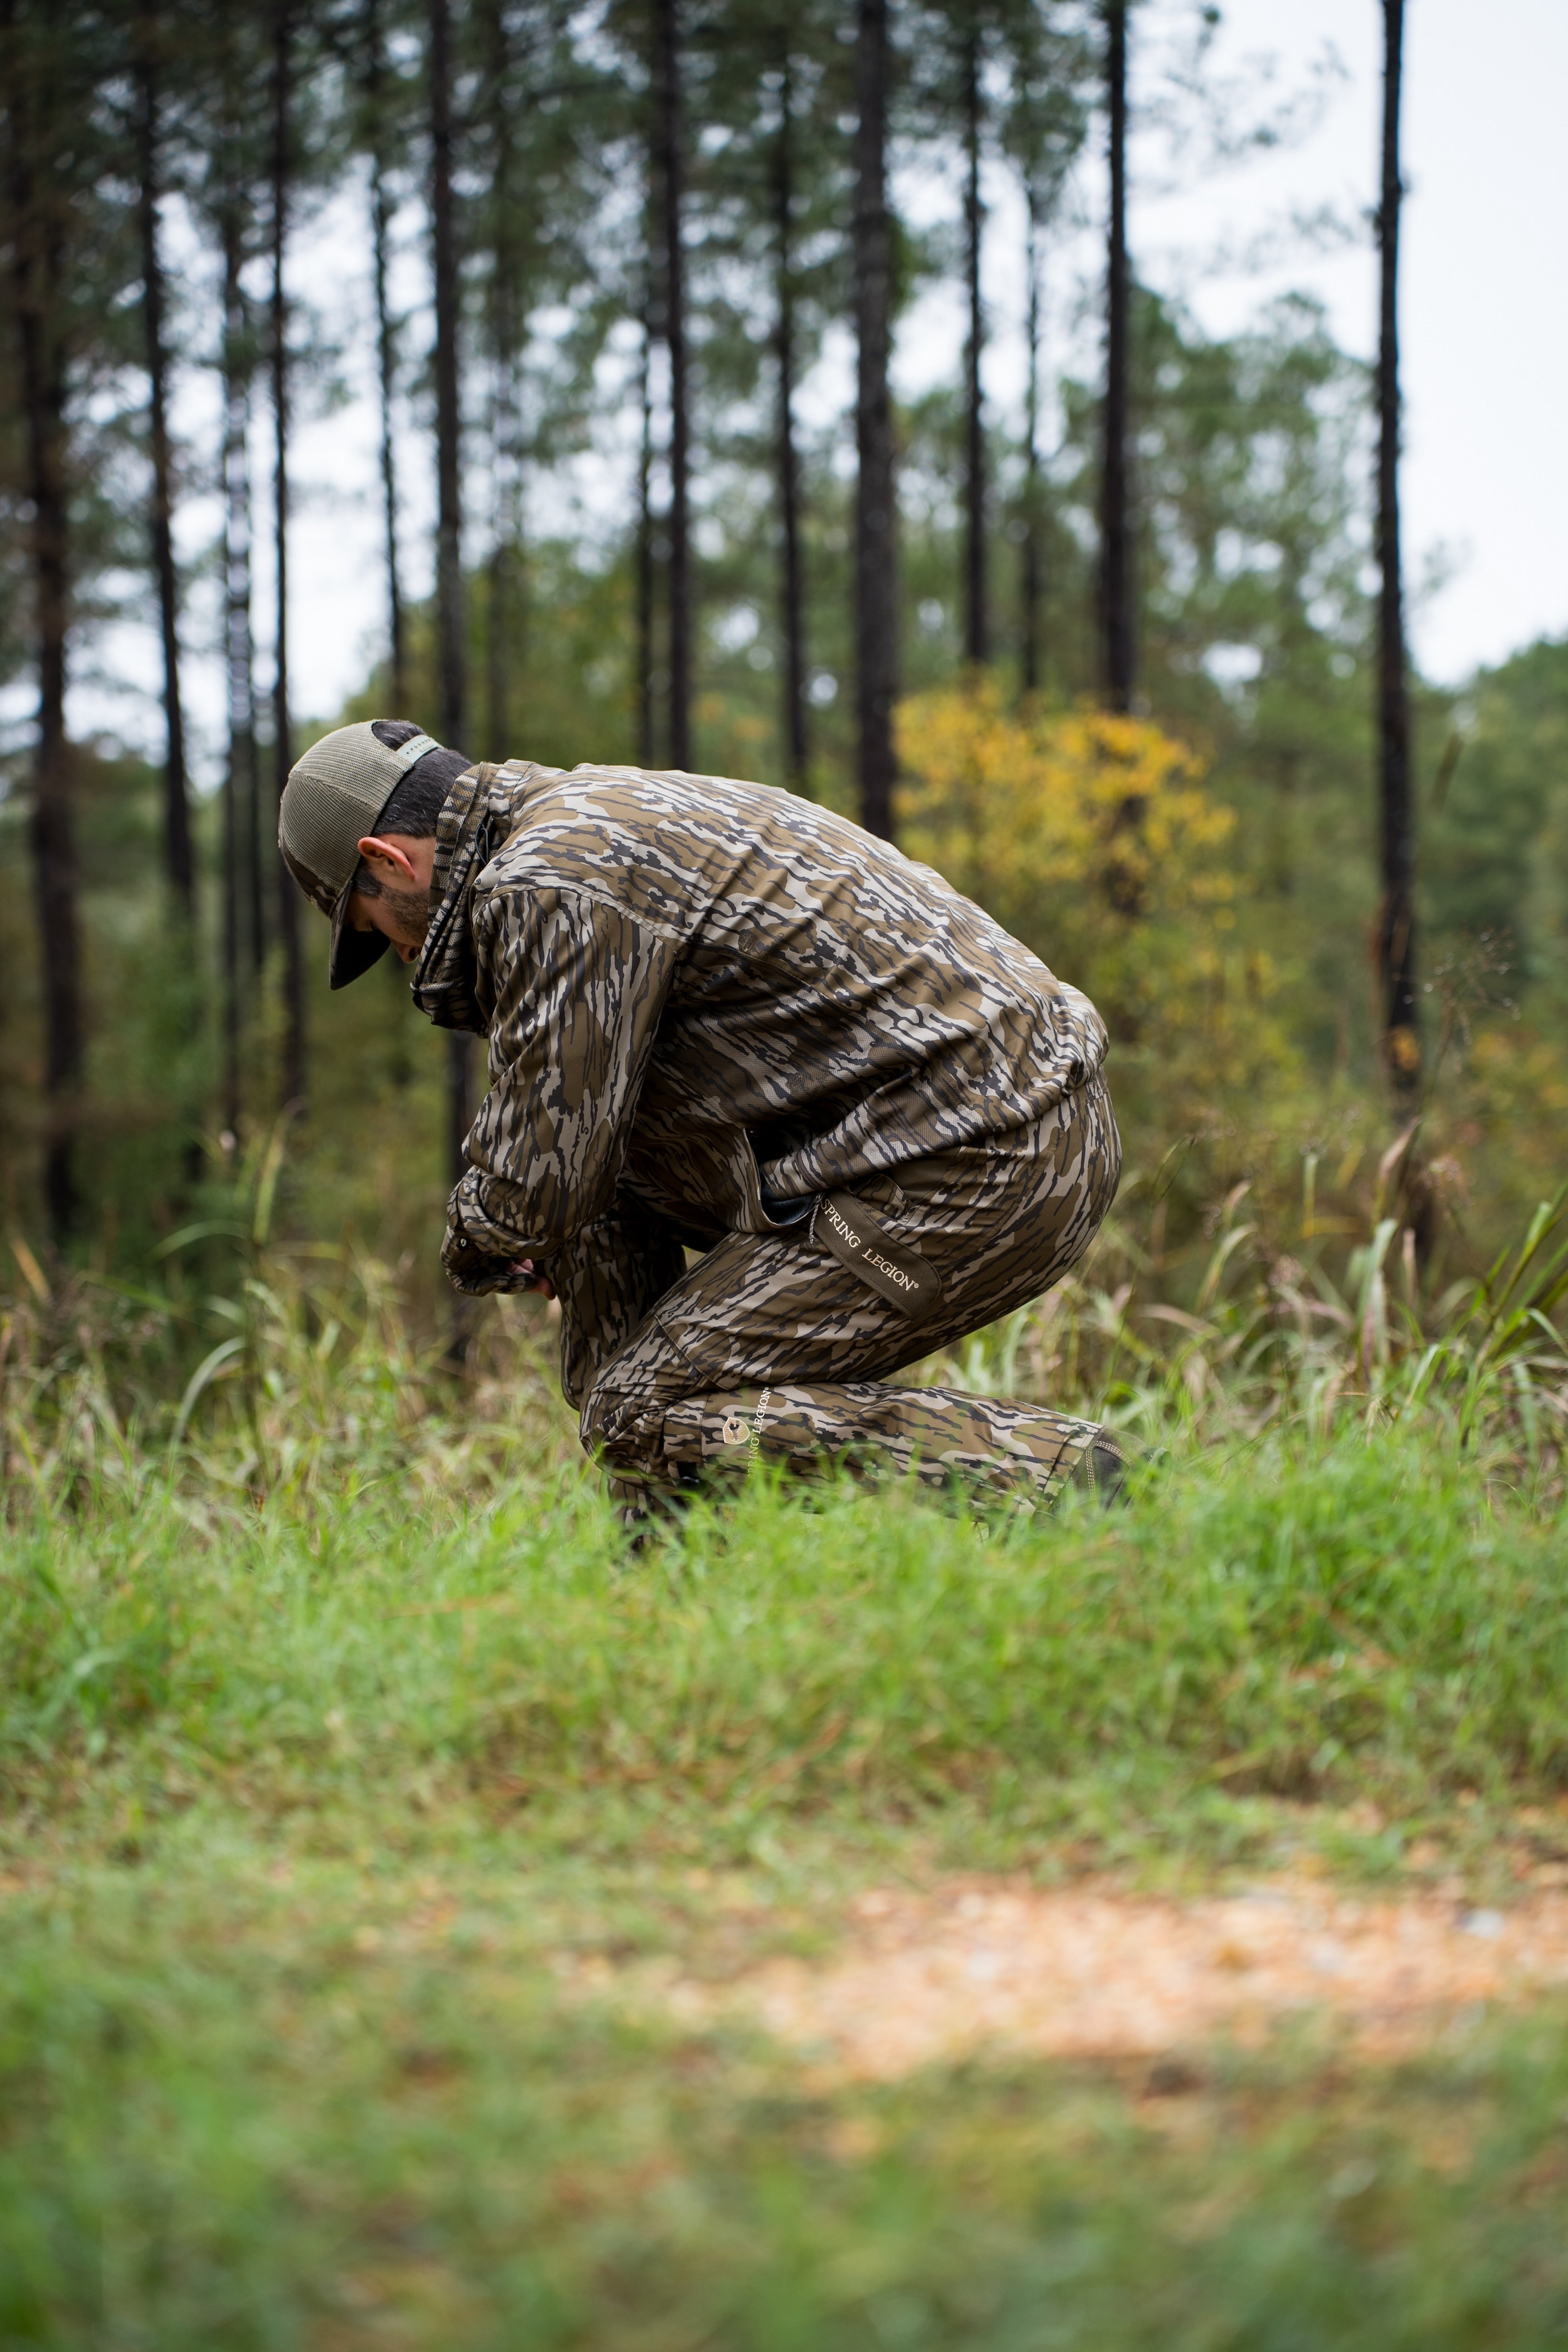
[(410, 909)]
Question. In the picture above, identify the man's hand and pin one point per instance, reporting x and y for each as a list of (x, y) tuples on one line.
[(479, 1274)]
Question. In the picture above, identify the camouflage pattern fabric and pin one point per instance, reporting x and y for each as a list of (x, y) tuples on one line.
[(771, 1348), (710, 1005)]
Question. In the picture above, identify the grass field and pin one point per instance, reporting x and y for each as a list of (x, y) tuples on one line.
[(315, 1808)]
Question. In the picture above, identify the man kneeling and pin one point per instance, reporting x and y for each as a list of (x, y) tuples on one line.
[(723, 1020)]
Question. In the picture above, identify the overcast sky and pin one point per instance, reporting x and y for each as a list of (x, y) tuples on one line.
[(1484, 323), (1483, 326)]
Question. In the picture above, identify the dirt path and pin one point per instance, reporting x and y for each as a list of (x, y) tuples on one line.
[(1094, 1971)]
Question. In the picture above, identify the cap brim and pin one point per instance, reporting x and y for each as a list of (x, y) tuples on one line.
[(351, 952)]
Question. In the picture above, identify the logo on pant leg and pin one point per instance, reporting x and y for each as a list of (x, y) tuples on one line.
[(841, 1225), (847, 1227), (734, 1431)]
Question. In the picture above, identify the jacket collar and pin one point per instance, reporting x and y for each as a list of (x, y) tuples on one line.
[(481, 809)]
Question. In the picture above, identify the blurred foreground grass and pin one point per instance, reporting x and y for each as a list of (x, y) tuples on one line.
[(309, 1797)]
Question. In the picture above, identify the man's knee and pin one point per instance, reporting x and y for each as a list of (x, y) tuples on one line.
[(621, 1419), (601, 1419)]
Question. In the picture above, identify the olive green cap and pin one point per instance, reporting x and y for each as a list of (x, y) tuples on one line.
[(334, 796)]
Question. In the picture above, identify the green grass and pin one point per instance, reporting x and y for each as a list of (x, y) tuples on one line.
[(225, 2127), (1299, 1621), (306, 1801)]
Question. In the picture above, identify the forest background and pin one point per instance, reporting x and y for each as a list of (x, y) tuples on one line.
[(382, 1843), (1112, 661)]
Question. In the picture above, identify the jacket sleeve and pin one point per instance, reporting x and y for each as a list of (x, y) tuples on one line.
[(578, 989)]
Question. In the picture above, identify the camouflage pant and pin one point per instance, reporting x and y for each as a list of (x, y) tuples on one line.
[(771, 1348)]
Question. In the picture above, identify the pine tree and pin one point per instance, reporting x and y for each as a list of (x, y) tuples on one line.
[(506, 308), (543, 181), (45, 106), (1043, 126), (283, 35), (1117, 588), (1396, 917), (792, 585), (643, 554), (228, 161), (378, 136), (977, 623), (876, 546), (766, 279), (242, 858), (669, 175), (1031, 664), (451, 645), (179, 858)]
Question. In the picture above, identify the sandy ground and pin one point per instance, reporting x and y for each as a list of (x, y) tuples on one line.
[(1095, 1971)]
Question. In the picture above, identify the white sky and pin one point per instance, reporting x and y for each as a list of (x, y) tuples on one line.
[(1484, 324), (1484, 328)]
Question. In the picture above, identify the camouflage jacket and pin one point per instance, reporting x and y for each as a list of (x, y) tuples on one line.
[(719, 996)]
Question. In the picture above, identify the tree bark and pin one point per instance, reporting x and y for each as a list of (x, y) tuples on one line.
[(1029, 582), (230, 1080), (977, 628), (508, 308), (670, 134), (448, 415), (449, 625), (792, 585), (242, 852), (1396, 921), (876, 584), (178, 857), (500, 641), (38, 270), (293, 1073), (386, 356), (1118, 626), (645, 579)]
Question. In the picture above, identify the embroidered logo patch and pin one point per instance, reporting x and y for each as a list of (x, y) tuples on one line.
[(734, 1431), (857, 1240)]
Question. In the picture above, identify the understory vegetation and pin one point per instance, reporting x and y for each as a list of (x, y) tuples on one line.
[(320, 1816), (344, 1743)]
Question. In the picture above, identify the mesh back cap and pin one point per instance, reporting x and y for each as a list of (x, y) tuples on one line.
[(334, 795)]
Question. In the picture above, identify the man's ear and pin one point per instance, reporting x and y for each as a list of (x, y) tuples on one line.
[(393, 862)]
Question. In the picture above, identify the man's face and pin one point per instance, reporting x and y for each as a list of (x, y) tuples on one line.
[(392, 892)]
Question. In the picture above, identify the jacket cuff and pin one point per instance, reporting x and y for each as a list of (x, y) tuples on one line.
[(477, 1252)]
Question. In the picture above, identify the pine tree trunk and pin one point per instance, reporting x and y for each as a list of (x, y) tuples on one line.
[(1118, 630), (229, 1087), (876, 584), (1397, 923), (386, 356), (178, 857), (792, 585), (670, 134), (643, 553), (241, 797), (449, 625), (508, 307), (499, 638), (977, 628), (449, 417), (293, 1086), (38, 262), (239, 364), (503, 583), (1029, 582), (54, 829)]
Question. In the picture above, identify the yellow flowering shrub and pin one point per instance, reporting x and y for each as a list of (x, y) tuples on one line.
[(1092, 838)]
